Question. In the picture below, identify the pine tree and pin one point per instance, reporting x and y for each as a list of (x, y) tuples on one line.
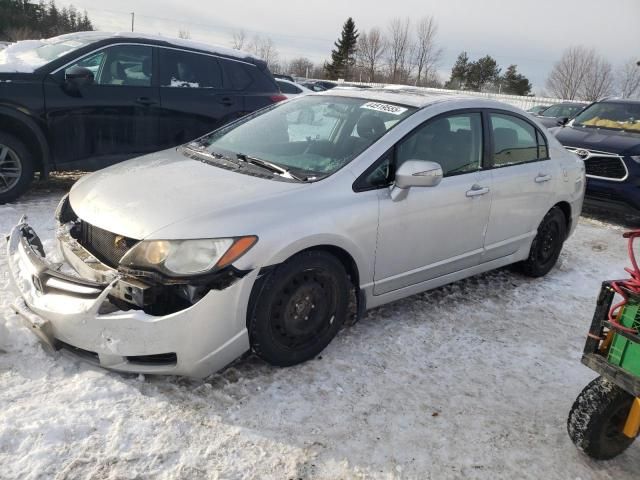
[(515, 83), (482, 73), (459, 72), (343, 57)]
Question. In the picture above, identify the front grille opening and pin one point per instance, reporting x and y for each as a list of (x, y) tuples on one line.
[(606, 167), (107, 247), (164, 359), (80, 352)]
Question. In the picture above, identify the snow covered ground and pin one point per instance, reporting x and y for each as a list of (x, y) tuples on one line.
[(473, 380)]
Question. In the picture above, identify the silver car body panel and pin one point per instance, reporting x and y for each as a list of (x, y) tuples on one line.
[(434, 236)]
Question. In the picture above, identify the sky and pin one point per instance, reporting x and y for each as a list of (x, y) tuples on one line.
[(529, 33)]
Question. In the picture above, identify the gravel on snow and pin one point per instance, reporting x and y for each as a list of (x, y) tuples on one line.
[(472, 380)]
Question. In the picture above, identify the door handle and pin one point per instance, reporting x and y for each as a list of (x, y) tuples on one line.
[(541, 178), (477, 190), (146, 101), (226, 101)]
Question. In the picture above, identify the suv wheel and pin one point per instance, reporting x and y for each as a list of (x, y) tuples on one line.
[(300, 309), (547, 244), (16, 168)]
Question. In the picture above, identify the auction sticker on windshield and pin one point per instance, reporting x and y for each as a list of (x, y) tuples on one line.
[(384, 107)]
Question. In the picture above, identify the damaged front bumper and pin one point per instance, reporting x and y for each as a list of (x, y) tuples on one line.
[(81, 312)]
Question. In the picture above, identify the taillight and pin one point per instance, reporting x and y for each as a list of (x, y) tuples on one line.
[(277, 98)]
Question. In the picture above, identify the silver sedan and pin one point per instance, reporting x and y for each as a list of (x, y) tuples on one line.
[(261, 234)]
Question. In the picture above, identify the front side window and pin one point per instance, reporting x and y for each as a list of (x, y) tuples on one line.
[(453, 141), (123, 65), (515, 141), (188, 70), (313, 136)]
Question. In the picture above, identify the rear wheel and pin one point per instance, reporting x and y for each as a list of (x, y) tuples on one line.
[(16, 168), (301, 308), (547, 244), (597, 418)]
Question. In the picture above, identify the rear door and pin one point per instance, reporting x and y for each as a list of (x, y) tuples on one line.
[(114, 118), (522, 175), (194, 96)]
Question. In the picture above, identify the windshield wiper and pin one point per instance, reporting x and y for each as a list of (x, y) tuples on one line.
[(272, 167)]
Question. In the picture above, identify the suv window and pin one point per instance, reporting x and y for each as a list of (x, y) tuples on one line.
[(238, 78), (515, 141), (286, 87), (188, 70), (453, 141), (126, 65)]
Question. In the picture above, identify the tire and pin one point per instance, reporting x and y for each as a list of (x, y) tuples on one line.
[(597, 418), (547, 244), (301, 307), (16, 168)]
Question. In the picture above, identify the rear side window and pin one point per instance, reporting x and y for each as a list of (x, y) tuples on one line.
[(515, 141), (181, 69), (237, 74)]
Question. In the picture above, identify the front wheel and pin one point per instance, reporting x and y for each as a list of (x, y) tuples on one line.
[(16, 168), (301, 307), (547, 244), (597, 418)]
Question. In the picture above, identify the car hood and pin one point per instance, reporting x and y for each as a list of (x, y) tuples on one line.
[(146, 194), (618, 142)]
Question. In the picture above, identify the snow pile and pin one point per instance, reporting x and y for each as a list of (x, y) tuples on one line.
[(183, 83), (472, 380), (21, 57)]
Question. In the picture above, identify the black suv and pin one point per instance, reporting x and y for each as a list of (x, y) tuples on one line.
[(606, 135), (88, 100)]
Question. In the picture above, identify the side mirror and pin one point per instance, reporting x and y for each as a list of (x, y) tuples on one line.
[(76, 77), (415, 173), (563, 120)]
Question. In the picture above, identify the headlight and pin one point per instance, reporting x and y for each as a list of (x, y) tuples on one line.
[(187, 257)]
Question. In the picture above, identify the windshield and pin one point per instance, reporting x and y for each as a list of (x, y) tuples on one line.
[(611, 115), (310, 136), (562, 110)]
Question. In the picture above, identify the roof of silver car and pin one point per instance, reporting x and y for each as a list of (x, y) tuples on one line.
[(411, 96)]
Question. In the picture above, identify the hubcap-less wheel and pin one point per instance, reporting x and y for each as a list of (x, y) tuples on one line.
[(549, 236), (304, 310), (10, 168)]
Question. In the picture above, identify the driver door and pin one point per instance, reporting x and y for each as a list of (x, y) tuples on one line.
[(114, 118), (437, 230)]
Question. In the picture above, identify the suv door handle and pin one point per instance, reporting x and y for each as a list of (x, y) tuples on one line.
[(477, 190), (227, 101), (541, 178), (146, 101)]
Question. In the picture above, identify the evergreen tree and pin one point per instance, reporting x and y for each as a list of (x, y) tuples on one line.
[(343, 57), (459, 72), (515, 83), (482, 73)]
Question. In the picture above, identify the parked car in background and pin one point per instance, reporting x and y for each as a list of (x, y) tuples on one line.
[(257, 235), (560, 113), (280, 76), (537, 109), (319, 85), (292, 89), (88, 100), (606, 136)]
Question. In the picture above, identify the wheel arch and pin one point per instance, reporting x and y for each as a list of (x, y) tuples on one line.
[(565, 208), (29, 132)]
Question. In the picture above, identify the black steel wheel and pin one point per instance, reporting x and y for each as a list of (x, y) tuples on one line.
[(547, 244), (300, 308), (16, 168), (597, 418)]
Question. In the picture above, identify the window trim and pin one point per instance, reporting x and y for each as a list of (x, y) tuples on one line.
[(360, 184), (539, 134)]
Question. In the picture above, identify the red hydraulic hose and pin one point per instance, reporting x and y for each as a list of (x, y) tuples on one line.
[(632, 285)]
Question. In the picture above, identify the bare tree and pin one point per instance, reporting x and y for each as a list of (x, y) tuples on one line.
[(567, 76), (598, 79), (184, 34), (300, 67), (239, 39), (629, 79), (371, 48), (398, 49), (20, 33), (265, 49), (427, 54)]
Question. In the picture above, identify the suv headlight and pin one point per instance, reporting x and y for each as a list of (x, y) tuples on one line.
[(187, 257)]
